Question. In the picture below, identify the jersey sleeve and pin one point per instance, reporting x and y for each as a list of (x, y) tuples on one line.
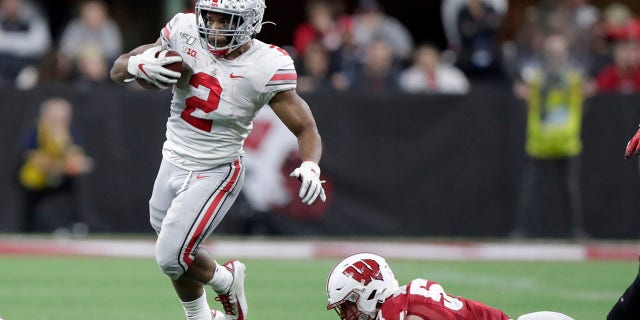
[(170, 33), (280, 76)]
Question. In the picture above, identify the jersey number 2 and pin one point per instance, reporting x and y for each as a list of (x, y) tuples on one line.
[(192, 103)]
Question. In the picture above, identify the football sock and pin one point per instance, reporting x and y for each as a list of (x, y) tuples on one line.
[(221, 280), (197, 309), (628, 306)]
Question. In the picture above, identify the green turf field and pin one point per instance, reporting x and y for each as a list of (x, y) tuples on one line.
[(77, 288)]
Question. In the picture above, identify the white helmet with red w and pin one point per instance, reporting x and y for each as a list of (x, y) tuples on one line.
[(358, 284), (244, 23)]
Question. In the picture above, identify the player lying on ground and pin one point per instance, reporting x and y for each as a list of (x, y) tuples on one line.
[(363, 287)]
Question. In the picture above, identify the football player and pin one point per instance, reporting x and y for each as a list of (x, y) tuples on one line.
[(628, 306), (363, 287), (227, 76)]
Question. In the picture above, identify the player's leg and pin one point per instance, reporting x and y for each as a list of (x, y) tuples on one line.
[(574, 194), (544, 315), (167, 183), (200, 205), (628, 306), (528, 218)]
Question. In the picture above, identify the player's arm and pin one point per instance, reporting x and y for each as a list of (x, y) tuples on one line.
[(141, 64), (294, 112), (633, 146)]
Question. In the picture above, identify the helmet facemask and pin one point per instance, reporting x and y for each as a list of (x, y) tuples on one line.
[(347, 309), (244, 22)]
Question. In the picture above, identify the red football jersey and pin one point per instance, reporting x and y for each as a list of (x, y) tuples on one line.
[(427, 300)]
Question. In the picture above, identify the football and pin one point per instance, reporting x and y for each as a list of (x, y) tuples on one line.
[(176, 66)]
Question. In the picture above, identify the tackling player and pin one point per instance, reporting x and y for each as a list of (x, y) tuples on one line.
[(628, 306), (227, 77), (363, 287)]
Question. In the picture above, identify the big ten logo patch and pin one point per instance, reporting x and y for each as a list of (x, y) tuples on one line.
[(190, 51)]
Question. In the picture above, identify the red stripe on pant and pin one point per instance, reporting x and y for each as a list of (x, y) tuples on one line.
[(210, 212)]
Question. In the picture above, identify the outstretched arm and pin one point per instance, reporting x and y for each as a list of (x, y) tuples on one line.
[(294, 112)]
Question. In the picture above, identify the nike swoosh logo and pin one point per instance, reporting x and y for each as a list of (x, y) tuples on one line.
[(233, 76), (198, 177), (140, 66)]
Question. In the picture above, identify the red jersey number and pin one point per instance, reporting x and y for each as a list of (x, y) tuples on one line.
[(192, 103), (284, 52)]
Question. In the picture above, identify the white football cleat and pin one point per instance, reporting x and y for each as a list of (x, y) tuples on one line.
[(234, 301)]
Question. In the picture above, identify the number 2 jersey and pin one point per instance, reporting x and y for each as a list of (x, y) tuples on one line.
[(427, 300), (215, 100)]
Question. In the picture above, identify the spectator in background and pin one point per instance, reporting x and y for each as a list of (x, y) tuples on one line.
[(321, 27), (575, 20), (92, 28), (24, 40), (624, 74), (370, 24), (478, 25), (315, 71), (620, 23), (379, 70), (91, 67), (52, 160), (429, 74), (555, 92)]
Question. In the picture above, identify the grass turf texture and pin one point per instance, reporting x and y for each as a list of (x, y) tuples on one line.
[(80, 288)]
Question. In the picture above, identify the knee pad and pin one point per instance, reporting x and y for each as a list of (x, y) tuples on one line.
[(168, 259)]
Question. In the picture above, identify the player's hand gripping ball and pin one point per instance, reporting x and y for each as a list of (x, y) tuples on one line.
[(173, 66), (153, 66)]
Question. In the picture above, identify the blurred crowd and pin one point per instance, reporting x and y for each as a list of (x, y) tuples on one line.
[(31, 53), (556, 53), (362, 48)]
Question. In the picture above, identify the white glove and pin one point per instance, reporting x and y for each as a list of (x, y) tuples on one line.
[(309, 174), (146, 66)]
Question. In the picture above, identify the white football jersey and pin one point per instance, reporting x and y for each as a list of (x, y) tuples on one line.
[(215, 100)]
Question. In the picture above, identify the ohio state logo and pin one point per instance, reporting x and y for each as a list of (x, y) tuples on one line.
[(364, 271)]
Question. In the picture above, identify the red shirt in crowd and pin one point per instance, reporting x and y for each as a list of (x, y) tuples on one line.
[(611, 79)]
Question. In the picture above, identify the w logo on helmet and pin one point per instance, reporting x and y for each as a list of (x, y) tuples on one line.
[(364, 271)]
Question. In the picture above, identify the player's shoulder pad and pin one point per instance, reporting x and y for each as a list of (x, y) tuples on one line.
[(181, 23), (275, 67)]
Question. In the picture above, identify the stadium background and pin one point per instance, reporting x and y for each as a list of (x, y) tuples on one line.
[(452, 161), (394, 161)]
